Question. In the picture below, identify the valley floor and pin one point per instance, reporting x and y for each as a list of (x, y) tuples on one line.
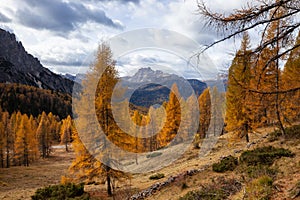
[(21, 182)]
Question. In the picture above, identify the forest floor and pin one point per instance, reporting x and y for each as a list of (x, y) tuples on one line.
[(22, 182)]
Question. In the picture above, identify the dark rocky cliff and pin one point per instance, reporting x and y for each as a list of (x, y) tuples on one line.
[(17, 66)]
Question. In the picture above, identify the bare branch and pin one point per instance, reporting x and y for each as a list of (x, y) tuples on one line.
[(246, 19)]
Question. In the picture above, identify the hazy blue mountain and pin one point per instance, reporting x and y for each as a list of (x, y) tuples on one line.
[(149, 87)]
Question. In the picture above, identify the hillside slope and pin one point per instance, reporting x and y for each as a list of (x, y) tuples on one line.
[(191, 173)]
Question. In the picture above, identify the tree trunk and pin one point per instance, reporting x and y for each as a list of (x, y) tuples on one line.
[(277, 87), (7, 158), (7, 150), (108, 181), (246, 130), (2, 159), (67, 150)]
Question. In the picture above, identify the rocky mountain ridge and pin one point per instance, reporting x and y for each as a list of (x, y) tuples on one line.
[(149, 87), (18, 66)]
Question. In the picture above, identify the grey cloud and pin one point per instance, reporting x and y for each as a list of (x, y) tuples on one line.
[(150, 60), (122, 1), (4, 18), (61, 16), (63, 63), (127, 1)]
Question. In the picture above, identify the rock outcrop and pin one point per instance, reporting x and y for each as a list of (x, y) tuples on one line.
[(17, 66)]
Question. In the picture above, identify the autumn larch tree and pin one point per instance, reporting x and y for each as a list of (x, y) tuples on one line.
[(204, 101), (43, 136), (104, 65), (252, 16), (8, 137), (173, 118), (238, 103), (279, 22), (291, 79), (66, 131), (137, 119), (23, 138)]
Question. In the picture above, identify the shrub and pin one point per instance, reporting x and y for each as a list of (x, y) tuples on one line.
[(156, 176), (260, 188), (61, 192), (260, 170), (184, 186), (228, 163), (264, 155), (205, 195), (292, 132), (295, 191), (219, 191)]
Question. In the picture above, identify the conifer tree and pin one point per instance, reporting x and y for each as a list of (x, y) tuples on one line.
[(43, 136), (237, 95), (205, 112), (22, 142), (66, 131), (8, 137), (33, 144), (104, 65), (15, 120), (291, 79), (137, 119), (53, 126), (268, 73), (173, 117)]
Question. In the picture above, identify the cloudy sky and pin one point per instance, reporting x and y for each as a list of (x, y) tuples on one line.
[(64, 34)]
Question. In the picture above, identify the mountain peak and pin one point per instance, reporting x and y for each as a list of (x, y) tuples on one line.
[(147, 75), (18, 66)]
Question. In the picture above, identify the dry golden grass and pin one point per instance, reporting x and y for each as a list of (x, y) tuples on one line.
[(21, 182), (288, 176)]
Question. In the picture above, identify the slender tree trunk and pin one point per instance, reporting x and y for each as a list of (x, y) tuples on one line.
[(7, 157), (67, 150), (108, 181), (7, 150), (246, 132), (2, 158), (281, 127), (107, 168), (136, 148)]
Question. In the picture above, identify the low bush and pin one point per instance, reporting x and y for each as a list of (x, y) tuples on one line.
[(260, 170), (292, 132), (228, 163), (205, 195), (260, 188), (295, 191), (264, 155), (214, 191), (184, 186), (156, 176), (61, 192)]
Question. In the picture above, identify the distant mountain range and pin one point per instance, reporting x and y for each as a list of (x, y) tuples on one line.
[(145, 88), (17, 66), (149, 87)]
